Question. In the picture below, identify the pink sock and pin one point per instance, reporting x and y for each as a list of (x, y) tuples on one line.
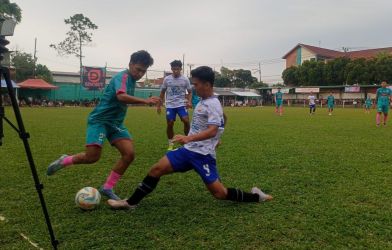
[(67, 161), (378, 118), (111, 180), (385, 119)]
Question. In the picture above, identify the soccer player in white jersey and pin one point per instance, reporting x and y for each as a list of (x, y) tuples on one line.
[(312, 103), (178, 98), (198, 152)]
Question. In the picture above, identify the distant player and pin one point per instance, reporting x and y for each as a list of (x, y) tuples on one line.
[(106, 121), (178, 98), (383, 99), (279, 102), (368, 104), (312, 103), (198, 152), (330, 103)]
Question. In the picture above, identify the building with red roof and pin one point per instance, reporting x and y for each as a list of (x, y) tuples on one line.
[(302, 52)]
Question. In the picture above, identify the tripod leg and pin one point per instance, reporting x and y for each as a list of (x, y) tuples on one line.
[(24, 136)]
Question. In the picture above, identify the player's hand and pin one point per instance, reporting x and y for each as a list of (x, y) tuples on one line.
[(153, 100), (189, 105), (182, 139), (219, 143)]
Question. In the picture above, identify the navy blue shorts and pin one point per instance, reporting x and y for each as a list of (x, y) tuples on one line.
[(171, 113), (183, 160)]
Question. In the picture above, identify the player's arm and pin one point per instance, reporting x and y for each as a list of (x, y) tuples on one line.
[(189, 98), (161, 98), (189, 95), (125, 98), (210, 132)]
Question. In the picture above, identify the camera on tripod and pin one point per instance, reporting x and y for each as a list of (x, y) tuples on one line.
[(7, 27)]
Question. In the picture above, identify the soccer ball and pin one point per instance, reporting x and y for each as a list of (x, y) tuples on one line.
[(87, 198)]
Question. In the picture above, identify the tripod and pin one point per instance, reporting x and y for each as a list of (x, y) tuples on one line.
[(5, 73)]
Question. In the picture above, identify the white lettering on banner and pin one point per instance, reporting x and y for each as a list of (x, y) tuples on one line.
[(307, 90)]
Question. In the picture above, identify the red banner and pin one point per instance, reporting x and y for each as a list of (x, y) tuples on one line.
[(94, 78)]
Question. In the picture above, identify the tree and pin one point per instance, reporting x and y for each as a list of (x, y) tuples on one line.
[(24, 66), (222, 81), (243, 78), (44, 73), (238, 78), (290, 76), (257, 85), (10, 10), (78, 37)]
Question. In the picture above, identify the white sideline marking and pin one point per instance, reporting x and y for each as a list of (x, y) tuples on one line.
[(32, 243), (2, 218)]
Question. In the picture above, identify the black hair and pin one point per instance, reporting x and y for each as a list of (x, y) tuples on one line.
[(176, 63), (142, 57), (204, 73)]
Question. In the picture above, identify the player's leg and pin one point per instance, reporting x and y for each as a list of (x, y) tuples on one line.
[(378, 115), (170, 133), (96, 134), (125, 146), (205, 166), (183, 113), (174, 161), (170, 119), (386, 111), (220, 192)]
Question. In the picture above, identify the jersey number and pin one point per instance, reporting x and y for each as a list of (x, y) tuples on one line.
[(207, 169)]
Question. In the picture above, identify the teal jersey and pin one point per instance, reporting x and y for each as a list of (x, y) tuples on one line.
[(368, 102), (279, 96), (331, 100), (383, 95), (110, 109), (195, 98)]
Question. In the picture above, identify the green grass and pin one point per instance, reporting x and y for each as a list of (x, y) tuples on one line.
[(331, 178)]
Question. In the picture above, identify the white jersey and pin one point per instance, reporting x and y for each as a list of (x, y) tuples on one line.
[(176, 90), (207, 112), (311, 99)]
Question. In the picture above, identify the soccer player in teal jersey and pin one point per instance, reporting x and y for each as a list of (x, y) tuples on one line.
[(330, 103), (279, 102), (383, 99), (198, 152), (106, 121), (368, 104)]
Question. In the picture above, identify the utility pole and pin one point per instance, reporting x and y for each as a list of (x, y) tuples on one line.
[(35, 57), (259, 71), (190, 68), (183, 59)]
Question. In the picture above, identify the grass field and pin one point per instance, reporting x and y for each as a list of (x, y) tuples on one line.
[(331, 178)]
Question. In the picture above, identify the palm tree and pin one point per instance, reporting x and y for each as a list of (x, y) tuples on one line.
[(10, 10)]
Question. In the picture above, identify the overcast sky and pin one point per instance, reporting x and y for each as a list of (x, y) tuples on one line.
[(232, 33)]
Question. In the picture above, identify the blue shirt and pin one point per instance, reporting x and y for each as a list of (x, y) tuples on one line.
[(110, 109)]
